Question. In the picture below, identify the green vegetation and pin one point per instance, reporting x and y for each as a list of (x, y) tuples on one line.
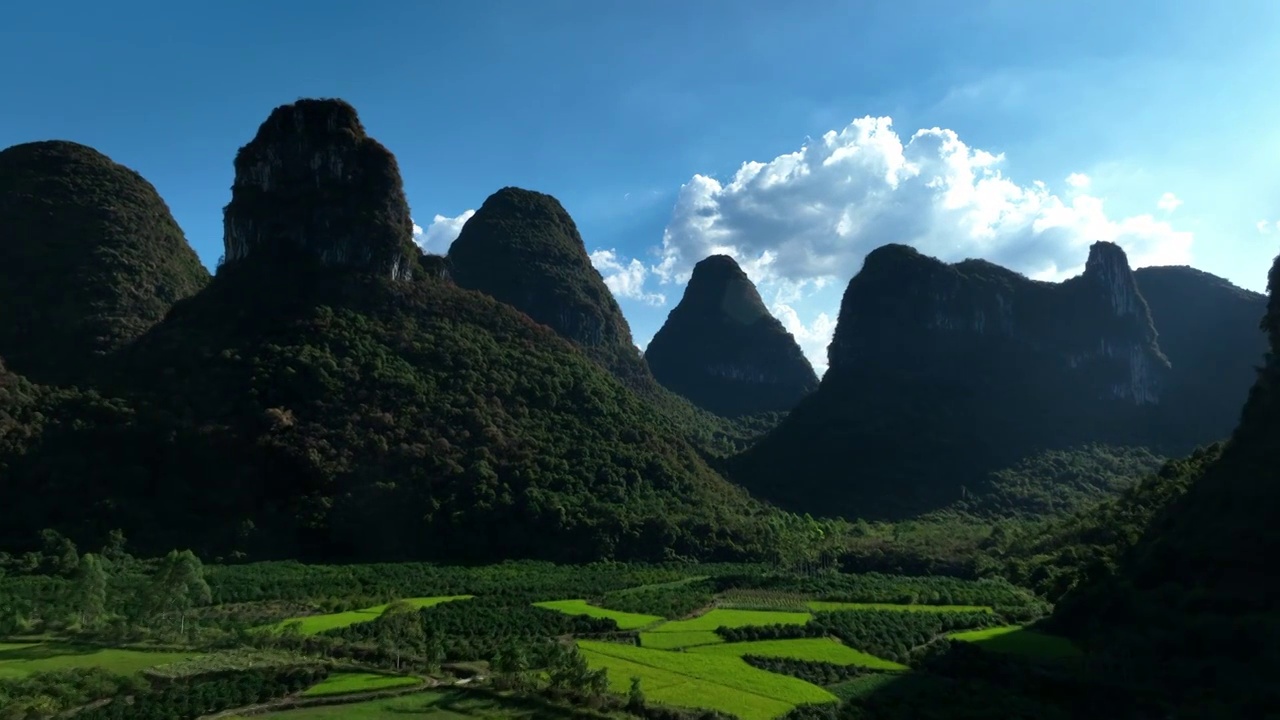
[(672, 600), (625, 621), (692, 680), (21, 659), (91, 259), (344, 683), (434, 705), (816, 649), (1019, 640), (314, 624), (826, 606)]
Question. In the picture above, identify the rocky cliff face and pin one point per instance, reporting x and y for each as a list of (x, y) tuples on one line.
[(1209, 329), (90, 257), (1189, 616), (722, 349), (939, 374), (906, 309), (523, 249), (313, 185)]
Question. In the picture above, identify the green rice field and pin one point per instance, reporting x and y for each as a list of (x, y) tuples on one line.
[(677, 640), (694, 680), (315, 624), (343, 683), (815, 649), (21, 659), (719, 618), (1018, 640), (625, 620)]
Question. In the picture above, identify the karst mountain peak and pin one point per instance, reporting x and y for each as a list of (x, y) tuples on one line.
[(90, 258), (721, 348), (523, 248), (313, 185)]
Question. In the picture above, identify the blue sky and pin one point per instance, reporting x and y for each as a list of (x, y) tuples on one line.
[(639, 116)]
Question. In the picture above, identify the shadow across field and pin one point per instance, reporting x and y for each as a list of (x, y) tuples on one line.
[(43, 651)]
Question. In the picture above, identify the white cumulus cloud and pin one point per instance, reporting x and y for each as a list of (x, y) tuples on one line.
[(818, 211), (440, 234), (813, 338), (1266, 227), (1168, 202), (1078, 180), (625, 279), (807, 218)]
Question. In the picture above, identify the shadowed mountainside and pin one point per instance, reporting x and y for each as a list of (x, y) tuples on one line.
[(721, 348)]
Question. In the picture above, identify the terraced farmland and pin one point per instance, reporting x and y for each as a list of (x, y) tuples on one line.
[(316, 624), (625, 620), (709, 681), (354, 682), (1018, 640), (21, 659), (709, 621), (815, 649)]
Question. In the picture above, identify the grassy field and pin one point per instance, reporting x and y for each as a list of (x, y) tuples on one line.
[(1019, 641), (677, 640), (625, 620), (732, 619), (707, 681), (21, 659), (343, 683), (816, 649), (431, 705), (315, 624), (822, 606)]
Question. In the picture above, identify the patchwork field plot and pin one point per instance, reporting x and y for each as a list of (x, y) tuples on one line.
[(677, 640), (344, 683), (21, 659), (315, 624), (625, 620), (816, 649), (1018, 640), (823, 606), (710, 681), (719, 618)]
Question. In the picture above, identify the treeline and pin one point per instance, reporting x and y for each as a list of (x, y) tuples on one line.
[(532, 581), (132, 698), (476, 629), (811, 671), (881, 588), (669, 600)]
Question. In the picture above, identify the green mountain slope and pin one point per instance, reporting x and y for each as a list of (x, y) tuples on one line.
[(89, 258), (1190, 612), (523, 249), (319, 401)]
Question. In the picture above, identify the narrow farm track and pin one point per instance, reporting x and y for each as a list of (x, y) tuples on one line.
[(298, 701)]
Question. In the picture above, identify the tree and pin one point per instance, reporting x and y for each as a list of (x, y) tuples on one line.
[(114, 549), (635, 696), (90, 590), (179, 585), (59, 553)]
